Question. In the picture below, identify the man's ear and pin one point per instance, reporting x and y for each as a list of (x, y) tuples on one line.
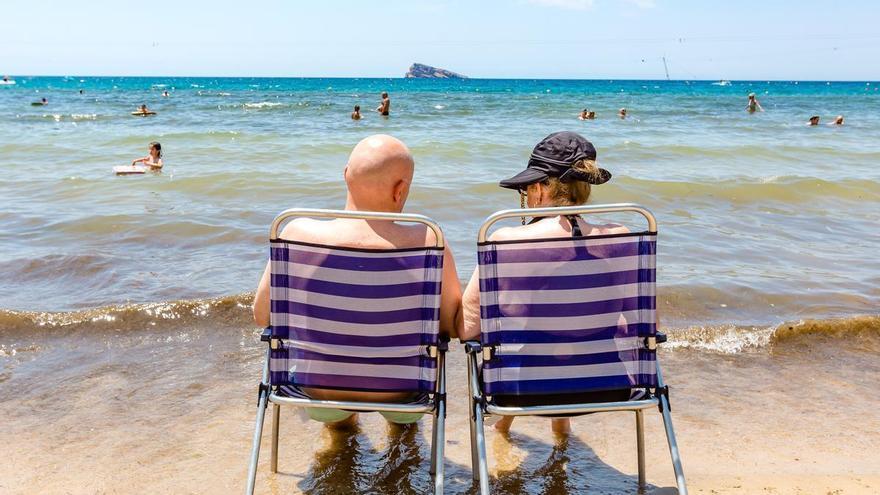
[(397, 193), (345, 174)]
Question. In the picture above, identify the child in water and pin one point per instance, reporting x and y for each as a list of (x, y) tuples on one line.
[(154, 159), (356, 115)]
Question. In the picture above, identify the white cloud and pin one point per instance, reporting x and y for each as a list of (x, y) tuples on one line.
[(588, 4)]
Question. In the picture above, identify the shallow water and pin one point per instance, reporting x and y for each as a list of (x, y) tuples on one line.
[(130, 295)]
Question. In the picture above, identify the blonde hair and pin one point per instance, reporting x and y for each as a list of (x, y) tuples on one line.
[(574, 192)]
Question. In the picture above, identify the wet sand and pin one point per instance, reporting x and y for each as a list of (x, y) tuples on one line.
[(169, 408)]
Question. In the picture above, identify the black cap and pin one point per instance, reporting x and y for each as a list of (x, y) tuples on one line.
[(553, 157)]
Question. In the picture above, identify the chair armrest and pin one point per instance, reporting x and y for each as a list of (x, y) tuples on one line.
[(266, 336), (472, 346)]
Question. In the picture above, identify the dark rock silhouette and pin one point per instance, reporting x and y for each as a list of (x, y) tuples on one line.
[(422, 71)]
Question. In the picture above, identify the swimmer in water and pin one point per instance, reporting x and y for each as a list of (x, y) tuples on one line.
[(583, 115), (44, 101), (81, 92), (753, 104), (384, 108), (356, 115), (837, 121), (165, 93), (143, 109), (591, 115), (814, 120), (154, 159), (622, 113)]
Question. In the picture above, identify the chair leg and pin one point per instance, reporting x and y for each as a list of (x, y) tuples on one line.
[(673, 446), (258, 435), (482, 460), (276, 425), (434, 442), (438, 447), (475, 457), (640, 446)]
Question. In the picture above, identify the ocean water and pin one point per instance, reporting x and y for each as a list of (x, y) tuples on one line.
[(114, 285)]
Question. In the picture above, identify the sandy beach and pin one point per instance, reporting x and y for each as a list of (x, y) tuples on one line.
[(169, 408)]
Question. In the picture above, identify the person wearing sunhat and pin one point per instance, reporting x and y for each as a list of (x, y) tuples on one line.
[(561, 172), (753, 104)]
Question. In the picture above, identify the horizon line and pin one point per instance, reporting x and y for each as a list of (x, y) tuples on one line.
[(446, 79)]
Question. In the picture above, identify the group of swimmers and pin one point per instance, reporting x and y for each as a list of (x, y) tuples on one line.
[(587, 114), (384, 108), (754, 106)]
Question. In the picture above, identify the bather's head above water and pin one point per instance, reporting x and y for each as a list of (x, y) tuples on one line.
[(379, 174), (561, 170)]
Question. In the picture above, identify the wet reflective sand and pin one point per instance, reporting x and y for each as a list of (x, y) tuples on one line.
[(169, 408)]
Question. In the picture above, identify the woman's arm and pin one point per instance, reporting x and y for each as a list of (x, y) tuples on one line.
[(470, 305), (139, 160), (261, 300), (450, 298)]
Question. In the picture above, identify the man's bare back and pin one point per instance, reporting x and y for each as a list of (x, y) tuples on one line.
[(378, 177)]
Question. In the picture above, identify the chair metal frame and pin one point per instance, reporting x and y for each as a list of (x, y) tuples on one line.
[(436, 403), (480, 405)]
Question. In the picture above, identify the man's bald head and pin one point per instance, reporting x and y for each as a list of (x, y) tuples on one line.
[(379, 172)]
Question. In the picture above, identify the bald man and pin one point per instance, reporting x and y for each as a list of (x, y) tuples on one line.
[(378, 177)]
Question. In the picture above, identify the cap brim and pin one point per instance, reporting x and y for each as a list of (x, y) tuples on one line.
[(522, 179)]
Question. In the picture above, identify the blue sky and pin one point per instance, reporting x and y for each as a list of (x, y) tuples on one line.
[(518, 38)]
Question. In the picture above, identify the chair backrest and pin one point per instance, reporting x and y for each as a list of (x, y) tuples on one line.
[(354, 319), (568, 315)]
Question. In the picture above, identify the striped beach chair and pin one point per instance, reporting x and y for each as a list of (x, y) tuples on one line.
[(354, 319), (567, 317)]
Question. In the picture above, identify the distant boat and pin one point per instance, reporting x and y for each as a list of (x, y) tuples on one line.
[(723, 82), (7, 82)]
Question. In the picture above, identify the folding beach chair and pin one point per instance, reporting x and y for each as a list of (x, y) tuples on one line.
[(570, 317), (354, 319)]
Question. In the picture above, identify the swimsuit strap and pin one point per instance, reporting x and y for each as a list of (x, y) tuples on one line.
[(575, 227), (572, 220)]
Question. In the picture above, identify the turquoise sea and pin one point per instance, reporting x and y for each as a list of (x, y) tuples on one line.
[(129, 360), (762, 218)]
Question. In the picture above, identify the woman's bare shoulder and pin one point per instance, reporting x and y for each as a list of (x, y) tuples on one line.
[(607, 228)]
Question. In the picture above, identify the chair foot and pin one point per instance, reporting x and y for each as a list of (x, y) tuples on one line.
[(276, 425), (640, 447), (673, 447), (258, 436)]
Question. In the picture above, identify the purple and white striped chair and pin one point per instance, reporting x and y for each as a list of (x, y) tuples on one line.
[(569, 318), (354, 319)]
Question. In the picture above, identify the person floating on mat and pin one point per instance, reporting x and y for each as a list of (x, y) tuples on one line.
[(153, 159), (378, 177), (561, 171)]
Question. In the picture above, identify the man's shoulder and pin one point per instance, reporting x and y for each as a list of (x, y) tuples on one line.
[(303, 230)]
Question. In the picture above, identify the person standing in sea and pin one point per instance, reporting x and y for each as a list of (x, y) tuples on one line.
[(384, 107), (753, 104)]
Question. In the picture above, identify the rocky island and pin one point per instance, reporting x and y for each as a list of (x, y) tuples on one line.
[(422, 71)]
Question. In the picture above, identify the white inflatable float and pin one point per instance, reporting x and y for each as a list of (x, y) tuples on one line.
[(130, 170)]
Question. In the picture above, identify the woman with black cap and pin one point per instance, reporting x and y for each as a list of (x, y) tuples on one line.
[(561, 171)]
